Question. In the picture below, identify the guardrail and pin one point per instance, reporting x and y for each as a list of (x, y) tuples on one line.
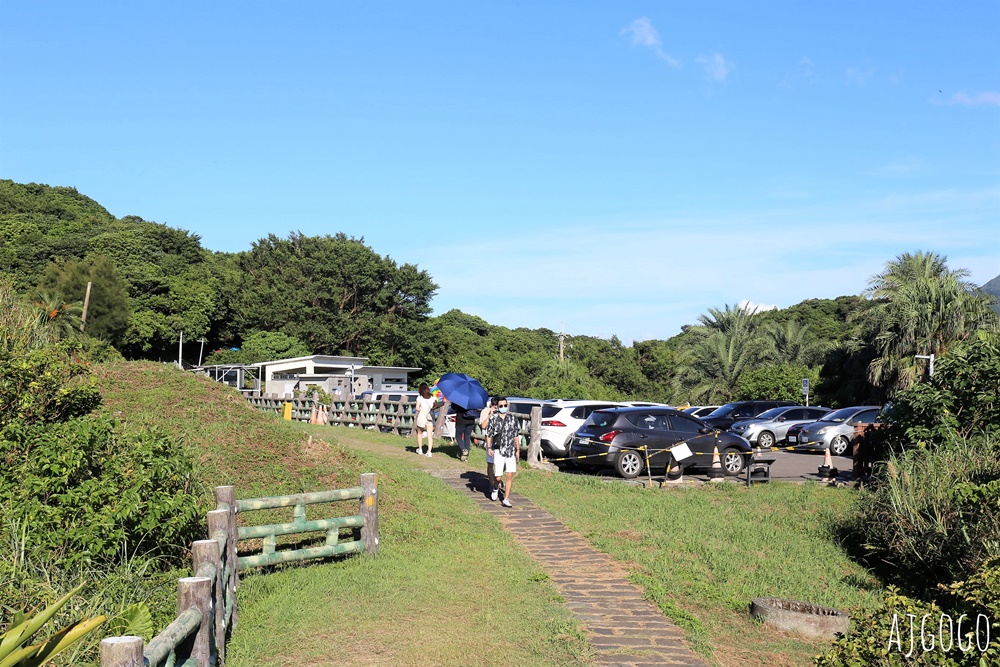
[(206, 602)]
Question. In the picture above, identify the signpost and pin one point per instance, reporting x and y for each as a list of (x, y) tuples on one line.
[(805, 389)]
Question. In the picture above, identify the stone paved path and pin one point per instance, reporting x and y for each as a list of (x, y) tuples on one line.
[(623, 628)]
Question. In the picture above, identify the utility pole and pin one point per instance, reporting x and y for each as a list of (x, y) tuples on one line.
[(86, 304), (180, 348), (562, 338)]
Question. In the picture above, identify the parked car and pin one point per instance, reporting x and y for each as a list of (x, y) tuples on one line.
[(701, 411), (835, 430), (792, 434), (769, 428), (612, 437), (724, 417), (560, 419)]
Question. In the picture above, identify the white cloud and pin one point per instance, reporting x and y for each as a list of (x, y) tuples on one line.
[(965, 99), (754, 307), (644, 34), (716, 66), (860, 75)]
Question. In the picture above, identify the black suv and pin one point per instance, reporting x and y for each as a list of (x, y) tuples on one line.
[(725, 416), (623, 437)]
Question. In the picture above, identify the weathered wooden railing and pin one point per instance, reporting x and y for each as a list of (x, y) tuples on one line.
[(206, 602), (392, 416)]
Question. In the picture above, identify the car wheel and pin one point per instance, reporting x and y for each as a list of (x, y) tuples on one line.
[(629, 464), (765, 440), (838, 446), (733, 461)]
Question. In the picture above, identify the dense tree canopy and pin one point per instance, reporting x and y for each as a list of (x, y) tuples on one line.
[(297, 295)]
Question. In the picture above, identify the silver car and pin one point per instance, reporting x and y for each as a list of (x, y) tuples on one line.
[(770, 428), (836, 429)]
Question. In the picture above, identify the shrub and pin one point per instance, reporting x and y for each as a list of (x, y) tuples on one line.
[(88, 490), (961, 397), (882, 637), (932, 516)]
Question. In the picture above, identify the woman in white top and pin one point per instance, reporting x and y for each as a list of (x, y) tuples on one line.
[(425, 403)]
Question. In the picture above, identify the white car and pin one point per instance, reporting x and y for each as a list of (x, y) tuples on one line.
[(561, 419)]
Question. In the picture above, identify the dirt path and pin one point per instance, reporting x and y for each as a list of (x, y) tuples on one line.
[(623, 629)]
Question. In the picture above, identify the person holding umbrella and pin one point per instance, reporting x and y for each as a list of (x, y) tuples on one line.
[(467, 397), (502, 443)]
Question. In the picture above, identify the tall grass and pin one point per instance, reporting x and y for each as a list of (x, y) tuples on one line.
[(932, 516)]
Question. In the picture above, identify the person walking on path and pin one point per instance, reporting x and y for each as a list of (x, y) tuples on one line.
[(484, 421), (502, 441), (425, 403), (465, 424)]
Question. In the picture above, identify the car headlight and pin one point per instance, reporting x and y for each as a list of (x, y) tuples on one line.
[(823, 430)]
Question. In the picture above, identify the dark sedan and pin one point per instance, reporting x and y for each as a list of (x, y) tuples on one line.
[(615, 437)]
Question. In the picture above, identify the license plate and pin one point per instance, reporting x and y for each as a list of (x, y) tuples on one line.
[(793, 438), (583, 441)]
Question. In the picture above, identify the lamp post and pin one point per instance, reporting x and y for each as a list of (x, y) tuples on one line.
[(930, 366)]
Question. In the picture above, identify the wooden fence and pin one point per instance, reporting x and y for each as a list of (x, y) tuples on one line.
[(389, 417), (206, 603)]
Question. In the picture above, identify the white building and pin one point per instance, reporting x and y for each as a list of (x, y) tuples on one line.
[(351, 375)]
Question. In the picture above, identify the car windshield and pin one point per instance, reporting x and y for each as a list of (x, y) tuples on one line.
[(599, 419), (772, 413), (724, 411), (838, 416)]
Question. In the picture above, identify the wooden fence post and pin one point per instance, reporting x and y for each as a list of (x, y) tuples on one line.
[(202, 552), (121, 652), (218, 520), (369, 510), (535, 437), (226, 495), (197, 592)]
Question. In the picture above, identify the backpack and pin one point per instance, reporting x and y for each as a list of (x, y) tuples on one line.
[(472, 415)]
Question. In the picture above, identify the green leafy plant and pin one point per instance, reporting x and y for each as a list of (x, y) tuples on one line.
[(14, 653)]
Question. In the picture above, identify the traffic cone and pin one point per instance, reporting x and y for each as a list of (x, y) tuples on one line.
[(675, 474), (826, 471), (312, 415), (716, 474)]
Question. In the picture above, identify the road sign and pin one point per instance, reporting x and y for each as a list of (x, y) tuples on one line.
[(805, 385)]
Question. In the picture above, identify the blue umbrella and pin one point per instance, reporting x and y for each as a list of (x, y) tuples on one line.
[(463, 390)]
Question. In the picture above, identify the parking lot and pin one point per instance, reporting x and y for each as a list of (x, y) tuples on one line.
[(788, 467)]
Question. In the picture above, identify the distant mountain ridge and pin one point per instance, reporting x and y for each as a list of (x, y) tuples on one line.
[(993, 287)]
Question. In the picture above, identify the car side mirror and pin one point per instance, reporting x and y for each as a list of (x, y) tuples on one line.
[(704, 430)]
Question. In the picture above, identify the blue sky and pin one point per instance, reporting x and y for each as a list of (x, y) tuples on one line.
[(619, 167)]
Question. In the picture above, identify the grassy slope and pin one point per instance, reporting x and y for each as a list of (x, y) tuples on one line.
[(447, 585)]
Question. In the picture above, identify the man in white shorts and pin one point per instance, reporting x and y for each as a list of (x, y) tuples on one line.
[(503, 443)]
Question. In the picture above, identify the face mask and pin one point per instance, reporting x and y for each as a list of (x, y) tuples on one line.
[(502, 410)]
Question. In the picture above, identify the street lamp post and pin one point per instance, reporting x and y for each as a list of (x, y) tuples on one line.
[(930, 366)]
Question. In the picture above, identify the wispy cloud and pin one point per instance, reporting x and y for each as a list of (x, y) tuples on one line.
[(860, 75), (716, 66), (975, 99), (754, 307), (900, 167), (807, 68), (642, 33)]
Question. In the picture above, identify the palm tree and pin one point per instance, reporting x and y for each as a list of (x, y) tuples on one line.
[(793, 344), (54, 314), (918, 306)]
